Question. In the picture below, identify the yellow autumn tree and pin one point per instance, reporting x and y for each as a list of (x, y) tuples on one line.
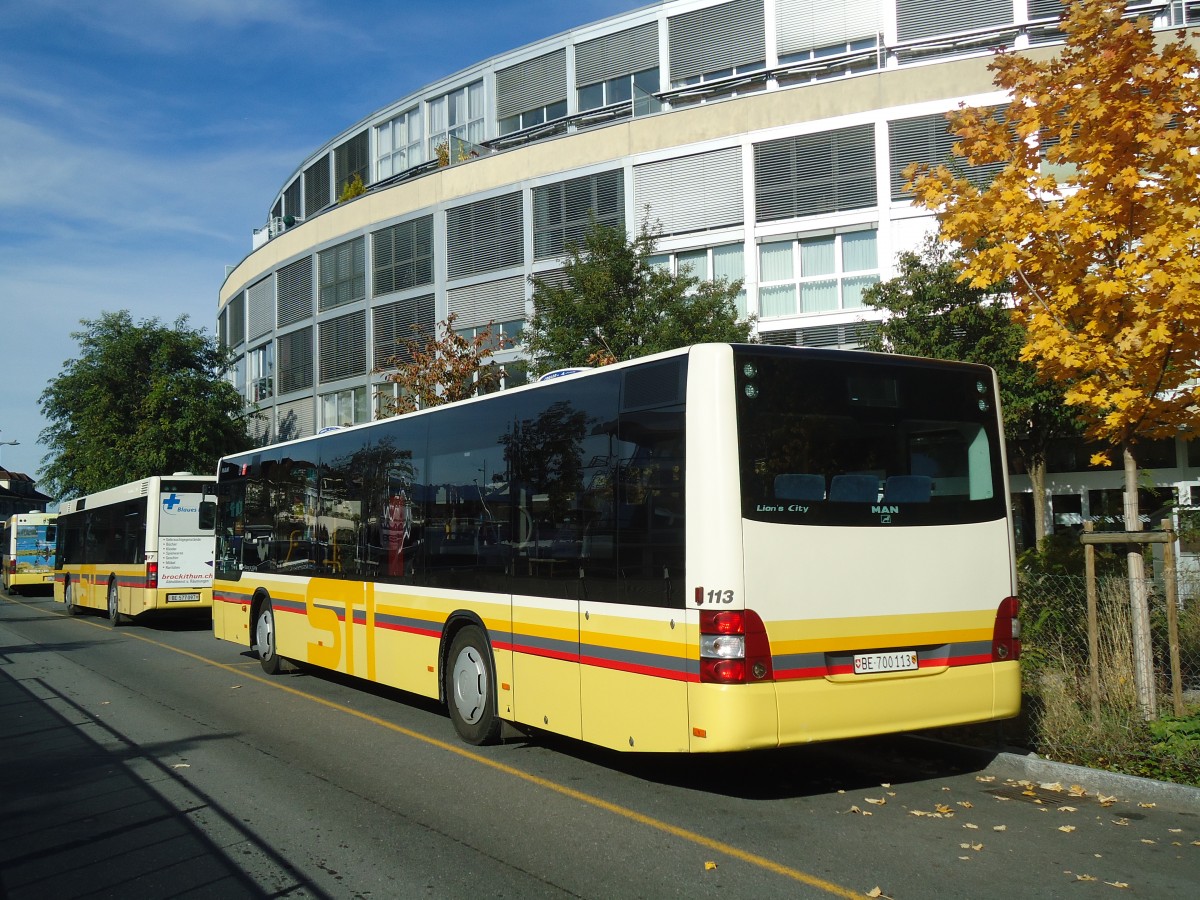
[(1093, 221)]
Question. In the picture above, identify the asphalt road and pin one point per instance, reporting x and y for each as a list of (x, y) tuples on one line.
[(154, 761)]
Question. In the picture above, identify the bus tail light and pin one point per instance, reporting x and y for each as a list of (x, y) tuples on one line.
[(1006, 633), (734, 648), (152, 574)]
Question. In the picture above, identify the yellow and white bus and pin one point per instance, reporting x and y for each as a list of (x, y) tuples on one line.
[(28, 541), (719, 548), (146, 545)]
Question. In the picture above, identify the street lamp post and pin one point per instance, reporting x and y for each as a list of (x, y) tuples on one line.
[(6, 444)]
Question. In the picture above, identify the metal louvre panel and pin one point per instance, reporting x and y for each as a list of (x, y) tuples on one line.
[(531, 84), (692, 193), (815, 173), (237, 319), (923, 18), (612, 55), (316, 187), (808, 24), (719, 37), (258, 426), (343, 274), (259, 304), (562, 212), (343, 352), (485, 236), (291, 199), (294, 360), (402, 256), (395, 322), (493, 301), (352, 157), (296, 419), (295, 291), (927, 139)]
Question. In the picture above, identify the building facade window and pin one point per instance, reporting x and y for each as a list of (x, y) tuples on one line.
[(343, 274), (398, 144), (349, 407), (353, 158), (696, 58), (457, 115), (815, 174), (343, 347), (402, 256), (725, 261), (617, 90), (295, 355), (817, 274), (261, 362), (563, 212)]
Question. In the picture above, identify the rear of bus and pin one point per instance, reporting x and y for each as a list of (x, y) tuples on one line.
[(28, 563), (179, 570), (870, 588)]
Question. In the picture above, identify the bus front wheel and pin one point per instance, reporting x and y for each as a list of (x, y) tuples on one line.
[(264, 640), (470, 691)]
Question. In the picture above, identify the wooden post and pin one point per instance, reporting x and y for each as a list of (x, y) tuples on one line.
[(1093, 627), (1172, 591)]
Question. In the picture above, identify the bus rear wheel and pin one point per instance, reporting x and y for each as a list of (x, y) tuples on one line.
[(114, 609), (264, 640), (68, 599), (470, 691)]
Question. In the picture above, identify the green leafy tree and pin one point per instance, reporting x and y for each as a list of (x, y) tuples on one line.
[(615, 304), (141, 399), (935, 314)]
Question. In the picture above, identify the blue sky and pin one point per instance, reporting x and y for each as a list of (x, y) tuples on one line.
[(142, 141)]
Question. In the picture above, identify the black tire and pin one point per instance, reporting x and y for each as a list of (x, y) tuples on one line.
[(264, 640), (68, 602), (114, 613), (470, 684)]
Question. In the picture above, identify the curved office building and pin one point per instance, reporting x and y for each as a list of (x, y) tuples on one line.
[(767, 137)]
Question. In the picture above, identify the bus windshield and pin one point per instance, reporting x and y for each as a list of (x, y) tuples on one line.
[(856, 439)]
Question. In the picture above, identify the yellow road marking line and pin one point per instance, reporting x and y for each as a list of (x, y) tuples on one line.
[(591, 800)]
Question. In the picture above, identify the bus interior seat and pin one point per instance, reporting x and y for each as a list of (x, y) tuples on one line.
[(907, 489), (793, 486), (855, 488)]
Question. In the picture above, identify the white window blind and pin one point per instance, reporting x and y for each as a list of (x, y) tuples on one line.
[(613, 55), (692, 193), (694, 49), (528, 85)]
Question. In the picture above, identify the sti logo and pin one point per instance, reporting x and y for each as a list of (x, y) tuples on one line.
[(171, 502)]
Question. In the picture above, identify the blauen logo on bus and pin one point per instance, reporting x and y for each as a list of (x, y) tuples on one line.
[(169, 503)]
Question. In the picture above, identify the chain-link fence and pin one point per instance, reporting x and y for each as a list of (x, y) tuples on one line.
[(1093, 708)]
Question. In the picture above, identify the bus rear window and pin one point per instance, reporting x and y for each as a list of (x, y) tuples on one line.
[(857, 439)]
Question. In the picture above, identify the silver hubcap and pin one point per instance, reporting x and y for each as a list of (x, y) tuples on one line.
[(264, 635), (112, 602), (470, 685)]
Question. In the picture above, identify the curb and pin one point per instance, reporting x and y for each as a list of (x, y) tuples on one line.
[(1031, 767)]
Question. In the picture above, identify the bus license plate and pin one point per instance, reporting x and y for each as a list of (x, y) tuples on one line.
[(49, 579), (182, 598), (874, 663)]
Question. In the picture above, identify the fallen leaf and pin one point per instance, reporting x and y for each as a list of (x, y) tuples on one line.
[(977, 847), (182, 766), (886, 785), (1175, 830), (944, 809), (964, 857), (1117, 884), (986, 779), (1147, 805), (1120, 821), (966, 804), (1148, 841), (1085, 877), (234, 687), (709, 866), (1106, 801), (1067, 809), (880, 802), (999, 828), (1052, 786), (969, 825), (1066, 828), (875, 892), (1076, 791)]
